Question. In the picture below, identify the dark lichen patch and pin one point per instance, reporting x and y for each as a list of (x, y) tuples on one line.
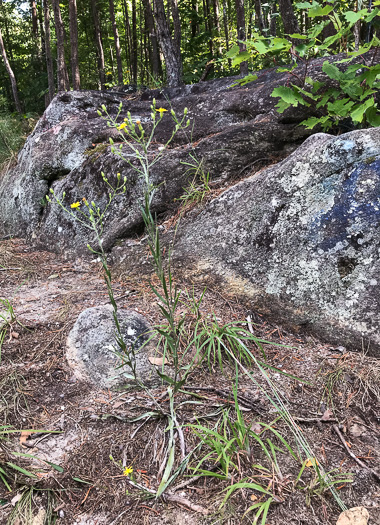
[(346, 266)]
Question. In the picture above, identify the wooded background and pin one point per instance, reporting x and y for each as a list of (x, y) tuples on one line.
[(48, 46)]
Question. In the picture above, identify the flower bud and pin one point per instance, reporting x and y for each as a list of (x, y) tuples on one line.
[(99, 113), (120, 105), (111, 140), (103, 107), (118, 176), (185, 111), (63, 195), (154, 102), (172, 113), (188, 122), (52, 191)]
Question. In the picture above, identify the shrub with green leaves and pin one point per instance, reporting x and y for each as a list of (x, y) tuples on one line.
[(350, 92)]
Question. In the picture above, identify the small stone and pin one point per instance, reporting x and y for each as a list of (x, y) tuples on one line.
[(91, 347), (354, 516)]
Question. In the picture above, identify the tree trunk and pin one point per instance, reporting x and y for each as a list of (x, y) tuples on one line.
[(117, 43), (225, 25), (289, 19), (155, 55), (259, 16), (134, 42), (33, 9), (208, 25), (177, 28), (240, 18), (169, 50), (99, 45), (194, 19), (11, 75), (49, 60), (63, 78), (74, 44), (273, 20), (128, 40)]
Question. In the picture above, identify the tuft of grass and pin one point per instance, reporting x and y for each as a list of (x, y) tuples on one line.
[(199, 187), (12, 137)]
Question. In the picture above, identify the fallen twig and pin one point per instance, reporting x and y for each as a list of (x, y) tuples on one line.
[(352, 455), (174, 498)]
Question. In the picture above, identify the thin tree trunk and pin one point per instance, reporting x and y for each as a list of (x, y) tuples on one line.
[(240, 18), (225, 24), (177, 28), (273, 19), (194, 19), (49, 60), (217, 24), (117, 43), (74, 44), (11, 75), (99, 45), (41, 26), (289, 19), (127, 33), (155, 55), (63, 78), (134, 42), (259, 16), (169, 50), (33, 9)]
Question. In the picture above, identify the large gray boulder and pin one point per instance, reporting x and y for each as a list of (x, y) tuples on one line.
[(234, 130), (301, 239)]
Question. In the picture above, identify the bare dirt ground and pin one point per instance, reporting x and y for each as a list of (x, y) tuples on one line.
[(337, 410)]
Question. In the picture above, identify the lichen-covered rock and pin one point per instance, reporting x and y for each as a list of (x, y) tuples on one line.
[(302, 239), (232, 131), (91, 347)]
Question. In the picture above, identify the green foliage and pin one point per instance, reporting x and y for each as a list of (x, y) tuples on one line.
[(199, 187), (354, 87), (12, 136)]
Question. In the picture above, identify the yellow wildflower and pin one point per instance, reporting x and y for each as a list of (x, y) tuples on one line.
[(122, 126), (161, 110), (75, 205), (127, 471)]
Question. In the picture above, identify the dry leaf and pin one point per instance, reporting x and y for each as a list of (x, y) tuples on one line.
[(24, 436), (327, 415), (16, 499), (15, 335), (158, 361), (311, 462), (256, 428), (253, 497)]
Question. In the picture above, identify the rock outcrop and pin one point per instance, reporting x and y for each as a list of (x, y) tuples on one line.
[(233, 131), (301, 239)]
